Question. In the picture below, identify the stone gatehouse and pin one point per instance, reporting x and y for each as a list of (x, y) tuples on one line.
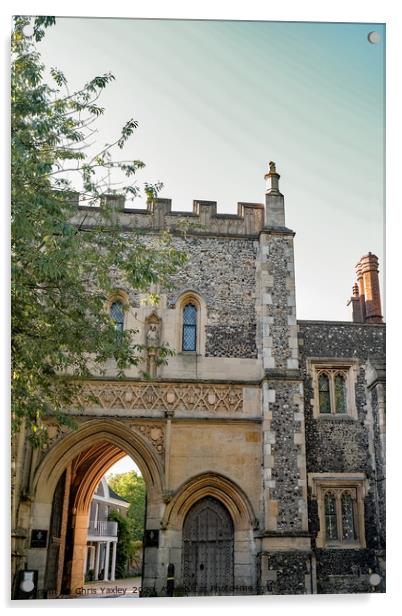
[(261, 442)]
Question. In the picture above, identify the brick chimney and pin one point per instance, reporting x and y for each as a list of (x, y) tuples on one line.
[(366, 300), (369, 269), (274, 200), (356, 305), (360, 285)]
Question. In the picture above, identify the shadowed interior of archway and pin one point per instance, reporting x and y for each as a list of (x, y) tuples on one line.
[(90, 466)]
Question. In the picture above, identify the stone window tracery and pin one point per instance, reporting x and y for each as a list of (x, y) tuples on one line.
[(340, 515), (333, 388), (340, 500), (332, 391)]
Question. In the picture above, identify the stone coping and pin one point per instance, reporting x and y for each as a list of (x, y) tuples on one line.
[(324, 322)]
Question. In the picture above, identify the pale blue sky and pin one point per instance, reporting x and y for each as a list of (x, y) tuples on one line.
[(124, 465), (216, 100)]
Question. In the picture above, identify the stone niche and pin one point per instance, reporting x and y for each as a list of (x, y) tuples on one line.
[(153, 326)]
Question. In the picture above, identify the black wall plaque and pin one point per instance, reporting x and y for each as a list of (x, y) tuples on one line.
[(151, 538), (38, 538)]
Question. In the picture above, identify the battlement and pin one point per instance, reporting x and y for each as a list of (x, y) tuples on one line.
[(158, 215)]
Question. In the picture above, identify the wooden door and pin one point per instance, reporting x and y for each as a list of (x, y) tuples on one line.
[(208, 549)]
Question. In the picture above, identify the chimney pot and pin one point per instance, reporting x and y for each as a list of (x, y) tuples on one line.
[(369, 276), (360, 284), (357, 316)]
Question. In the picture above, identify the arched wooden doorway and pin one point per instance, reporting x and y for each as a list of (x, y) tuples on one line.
[(208, 547)]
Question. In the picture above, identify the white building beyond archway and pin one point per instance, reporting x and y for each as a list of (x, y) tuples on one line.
[(102, 533)]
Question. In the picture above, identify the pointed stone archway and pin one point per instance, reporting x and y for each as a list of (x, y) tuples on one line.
[(69, 473), (227, 501)]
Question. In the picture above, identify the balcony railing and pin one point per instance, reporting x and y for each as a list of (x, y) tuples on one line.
[(102, 529)]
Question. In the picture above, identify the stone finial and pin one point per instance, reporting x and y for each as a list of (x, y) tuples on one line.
[(272, 180), (355, 291), (274, 200)]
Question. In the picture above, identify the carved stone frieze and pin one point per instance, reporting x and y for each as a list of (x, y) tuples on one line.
[(161, 396)]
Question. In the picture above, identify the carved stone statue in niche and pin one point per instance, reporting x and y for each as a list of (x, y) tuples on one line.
[(152, 336)]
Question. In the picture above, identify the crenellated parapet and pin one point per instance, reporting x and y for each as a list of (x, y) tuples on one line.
[(158, 215)]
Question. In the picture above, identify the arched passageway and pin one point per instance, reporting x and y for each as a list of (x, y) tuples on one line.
[(65, 483)]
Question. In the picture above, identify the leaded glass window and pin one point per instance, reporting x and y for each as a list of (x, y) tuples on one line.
[(117, 315), (189, 328), (324, 393), (340, 394), (332, 395), (348, 522), (340, 510), (331, 529)]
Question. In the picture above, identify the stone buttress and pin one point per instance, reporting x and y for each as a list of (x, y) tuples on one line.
[(285, 545)]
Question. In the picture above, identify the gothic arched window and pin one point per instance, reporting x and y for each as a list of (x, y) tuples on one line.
[(189, 340), (334, 388), (324, 393), (340, 509), (340, 394), (348, 518), (117, 315), (331, 525)]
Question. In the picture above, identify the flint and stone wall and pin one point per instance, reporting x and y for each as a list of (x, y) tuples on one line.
[(347, 445), (222, 271)]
